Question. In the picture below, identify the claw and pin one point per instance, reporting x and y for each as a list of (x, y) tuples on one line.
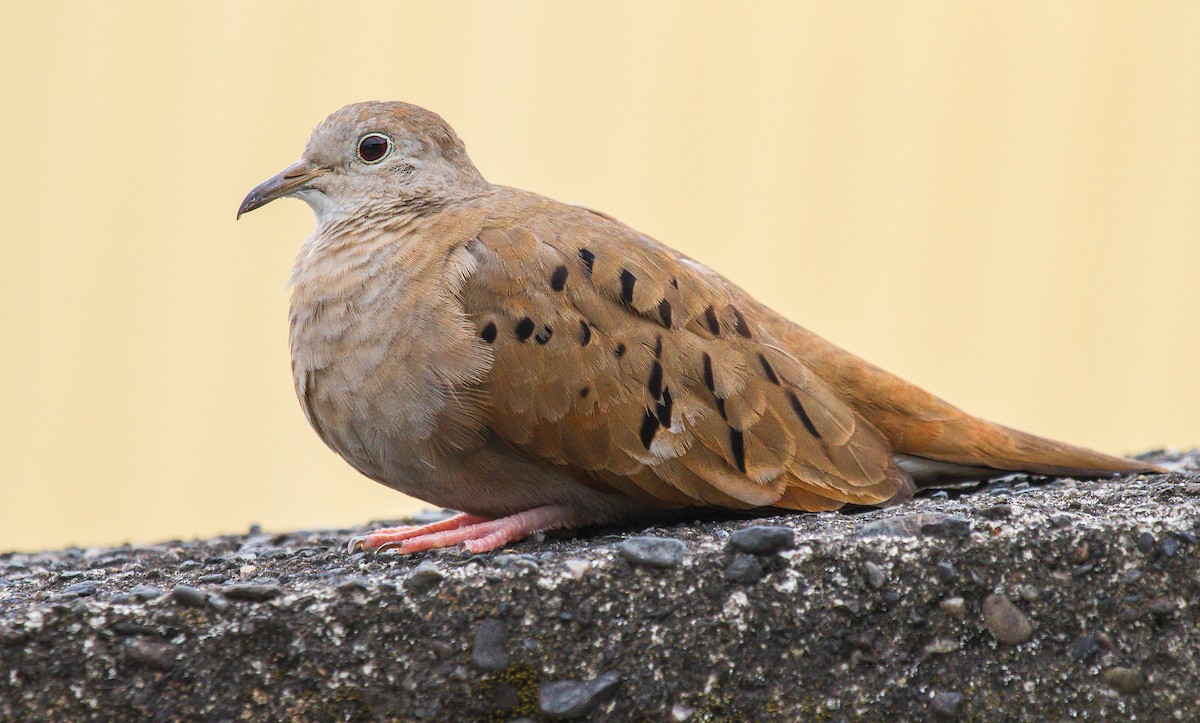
[(356, 543)]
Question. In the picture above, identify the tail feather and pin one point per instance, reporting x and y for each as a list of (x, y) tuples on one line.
[(920, 425), (970, 440)]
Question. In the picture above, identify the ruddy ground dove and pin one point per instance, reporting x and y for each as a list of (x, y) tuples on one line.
[(539, 365)]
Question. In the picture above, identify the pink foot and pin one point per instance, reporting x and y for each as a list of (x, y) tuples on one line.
[(376, 539), (476, 534)]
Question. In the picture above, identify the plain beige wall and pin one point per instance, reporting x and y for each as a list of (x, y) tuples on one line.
[(998, 201)]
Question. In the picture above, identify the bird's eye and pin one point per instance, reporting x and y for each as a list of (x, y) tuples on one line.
[(373, 147)]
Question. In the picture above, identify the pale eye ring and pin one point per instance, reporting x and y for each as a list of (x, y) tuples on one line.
[(373, 147)]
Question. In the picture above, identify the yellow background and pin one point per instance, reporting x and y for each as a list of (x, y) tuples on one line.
[(998, 201)]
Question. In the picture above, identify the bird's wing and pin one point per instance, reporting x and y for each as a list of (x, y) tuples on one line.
[(628, 364)]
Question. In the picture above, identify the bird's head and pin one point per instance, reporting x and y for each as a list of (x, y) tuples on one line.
[(374, 156)]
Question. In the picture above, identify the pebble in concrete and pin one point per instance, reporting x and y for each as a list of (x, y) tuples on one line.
[(955, 607), (490, 651), (1124, 680), (744, 569), (146, 592), (947, 705), (567, 699), (950, 526), (1006, 622), (156, 654), (763, 539), (189, 596), (426, 576), (874, 575), (660, 552), (937, 524), (82, 589), (251, 592)]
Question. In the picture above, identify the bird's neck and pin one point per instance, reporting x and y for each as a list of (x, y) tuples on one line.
[(341, 259), (344, 253)]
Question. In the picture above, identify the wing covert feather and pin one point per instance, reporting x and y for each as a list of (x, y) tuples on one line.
[(618, 357)]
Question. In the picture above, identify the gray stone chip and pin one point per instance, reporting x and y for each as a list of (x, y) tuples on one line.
[(189, 596), (874, 575), (1124, 680), (156, 654), (1006, 622), (82, 589), (490, 651), (251, 592), (426, 576), (937, 524), (947, 705), (567, 699), (146, 592), (763, 539), (744, 569), (660, 552)]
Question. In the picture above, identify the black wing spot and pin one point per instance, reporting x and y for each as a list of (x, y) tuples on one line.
[(544, 335), (585, 333), (663, 408), (524, 328), (627, 282), (620, 350), (710, 318), (740, 327), (559, 278), (649, 428), (674, 283), (658, 347), (708, 374), (584, 392), (489, 332), (656, 378), (737, 444), (800, 412), (664, 312), (768, 369), (588, 258), (721, 407)]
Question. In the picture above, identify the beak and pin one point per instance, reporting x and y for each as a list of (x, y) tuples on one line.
[(285, 183)]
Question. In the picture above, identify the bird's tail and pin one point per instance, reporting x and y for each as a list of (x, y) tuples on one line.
[(933, 439), (971, 448)]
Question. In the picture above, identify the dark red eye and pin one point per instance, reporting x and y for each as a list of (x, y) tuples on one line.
[(372, 147)]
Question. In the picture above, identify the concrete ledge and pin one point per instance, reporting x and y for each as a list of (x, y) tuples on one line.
[(1019, 599)]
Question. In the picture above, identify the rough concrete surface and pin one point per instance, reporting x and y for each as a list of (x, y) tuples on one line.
[(1019, 599)]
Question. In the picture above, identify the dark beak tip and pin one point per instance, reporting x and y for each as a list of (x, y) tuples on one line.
[(249, 203), (285, 183)]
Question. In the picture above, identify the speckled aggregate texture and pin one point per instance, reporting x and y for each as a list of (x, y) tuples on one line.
[(1021, 599)]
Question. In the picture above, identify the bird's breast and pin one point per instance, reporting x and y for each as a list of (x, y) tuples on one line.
[(373, 341)]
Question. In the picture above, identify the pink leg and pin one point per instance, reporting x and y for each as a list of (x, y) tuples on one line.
[(376, 539), (487, 535)]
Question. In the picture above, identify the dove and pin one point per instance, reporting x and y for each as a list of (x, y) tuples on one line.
[(537, 365)]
